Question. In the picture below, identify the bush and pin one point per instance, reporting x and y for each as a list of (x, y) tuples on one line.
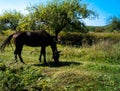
[(2, 67), (77, 38)]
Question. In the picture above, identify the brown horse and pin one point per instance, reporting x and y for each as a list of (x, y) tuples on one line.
[(33, 39)]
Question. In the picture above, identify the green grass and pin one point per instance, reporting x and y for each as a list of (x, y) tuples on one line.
[(92, 68)]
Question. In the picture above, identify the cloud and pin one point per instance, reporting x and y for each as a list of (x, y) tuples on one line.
[(96, 22), (101, 20)]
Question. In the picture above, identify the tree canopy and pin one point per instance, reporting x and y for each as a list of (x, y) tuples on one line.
[(10, 20), (59, 14), (114, 23), (56, 15)]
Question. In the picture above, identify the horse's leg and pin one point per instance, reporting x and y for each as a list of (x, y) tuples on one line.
[(15, 54), (18, 52), (40, 54), (15, 57), (21, 58), (44, 54)]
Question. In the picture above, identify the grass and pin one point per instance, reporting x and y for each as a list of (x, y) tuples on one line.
[(91, 68)]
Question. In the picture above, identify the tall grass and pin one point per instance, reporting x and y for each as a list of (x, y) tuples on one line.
[(84, 68), (105, 51)]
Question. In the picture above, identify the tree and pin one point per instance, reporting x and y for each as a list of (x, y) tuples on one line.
[(25, 23), (58, 14), (114, 23), (10, 20)]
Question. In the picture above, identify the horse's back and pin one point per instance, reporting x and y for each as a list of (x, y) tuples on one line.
[(34, 39)]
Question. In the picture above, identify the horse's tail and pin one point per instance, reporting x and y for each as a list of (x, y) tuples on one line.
[(5, 42)]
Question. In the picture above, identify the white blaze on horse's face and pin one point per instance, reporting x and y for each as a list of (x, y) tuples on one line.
[(28, 33)]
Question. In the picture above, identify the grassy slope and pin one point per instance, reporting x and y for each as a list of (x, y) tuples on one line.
[(95, 68)]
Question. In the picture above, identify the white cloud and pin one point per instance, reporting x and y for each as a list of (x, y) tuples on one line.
[(100, 21), (96, 22)]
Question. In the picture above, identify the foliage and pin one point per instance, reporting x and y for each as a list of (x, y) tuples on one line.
[(91, 28), (59, 14), (55, 16), (114, 23), (25, 23), (7, 32), (81, 68), (76, 38), (2, 67), (10, 20), (19, 78)]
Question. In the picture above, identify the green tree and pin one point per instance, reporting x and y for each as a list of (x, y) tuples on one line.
[(58, 14), (25, 23), (10, 20), (114, 23)]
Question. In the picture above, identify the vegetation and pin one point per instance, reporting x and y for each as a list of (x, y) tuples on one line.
[(89, 61), (91, 38), (84, 68), (56, 15), (61, 13), (114, 23), (10, 20)]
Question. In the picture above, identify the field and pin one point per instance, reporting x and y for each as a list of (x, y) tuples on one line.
[(84, 68)]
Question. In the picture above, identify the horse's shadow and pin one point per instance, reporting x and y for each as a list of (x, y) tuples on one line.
[(60, 64)]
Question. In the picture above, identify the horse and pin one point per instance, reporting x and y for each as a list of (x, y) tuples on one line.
[(34, 39)]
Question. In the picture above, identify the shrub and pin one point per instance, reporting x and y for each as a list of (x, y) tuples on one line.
[(77, 38), (2, 67)]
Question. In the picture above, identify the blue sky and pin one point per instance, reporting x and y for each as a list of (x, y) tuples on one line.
[(105, 8)]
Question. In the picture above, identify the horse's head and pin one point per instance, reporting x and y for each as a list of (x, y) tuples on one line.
[(56, 56)]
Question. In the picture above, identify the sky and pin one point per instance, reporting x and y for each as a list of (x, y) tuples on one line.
[(104, 8)]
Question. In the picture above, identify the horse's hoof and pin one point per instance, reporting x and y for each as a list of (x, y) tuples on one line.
[(56, 63), (23, 62)]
